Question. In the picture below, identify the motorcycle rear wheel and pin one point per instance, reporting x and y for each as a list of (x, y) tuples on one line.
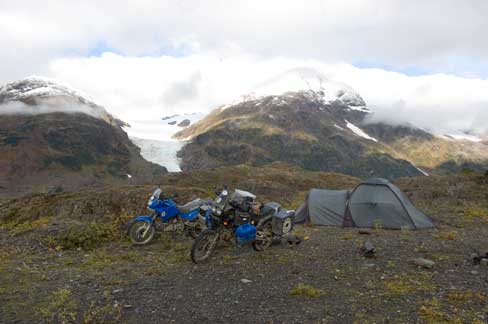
[(195, 229), (264, 237), (204, 245), (136, 233)]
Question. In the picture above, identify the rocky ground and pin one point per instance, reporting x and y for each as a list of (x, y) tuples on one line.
[(53, 269)]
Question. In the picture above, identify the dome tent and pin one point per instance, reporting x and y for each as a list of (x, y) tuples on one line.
[(375, 202)]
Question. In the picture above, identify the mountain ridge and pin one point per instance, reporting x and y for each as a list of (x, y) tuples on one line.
[(320, 135)]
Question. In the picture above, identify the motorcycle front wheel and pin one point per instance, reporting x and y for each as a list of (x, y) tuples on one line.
[(141, 233), (204, 245)]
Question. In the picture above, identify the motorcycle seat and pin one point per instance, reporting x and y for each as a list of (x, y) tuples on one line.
[(188, 207)]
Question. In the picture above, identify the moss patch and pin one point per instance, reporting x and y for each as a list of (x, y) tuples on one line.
[(402, 284)]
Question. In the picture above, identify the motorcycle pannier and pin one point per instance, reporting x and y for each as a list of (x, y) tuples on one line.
[(283, 221)]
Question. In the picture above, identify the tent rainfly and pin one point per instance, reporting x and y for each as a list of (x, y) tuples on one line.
[(375, 202)]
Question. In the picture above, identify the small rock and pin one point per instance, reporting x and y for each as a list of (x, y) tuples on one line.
[(368, 249), (127, 306), (184, 123), (474, 272), (484, 262), (428, 264), (246, 281), (476, 258), (365, 231)]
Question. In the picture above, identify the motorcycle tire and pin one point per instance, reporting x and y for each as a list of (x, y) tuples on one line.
[(136, 231), (204, 245), (264, 237), (195, 229)]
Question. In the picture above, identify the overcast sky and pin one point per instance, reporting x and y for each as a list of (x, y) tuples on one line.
[(419, 61)]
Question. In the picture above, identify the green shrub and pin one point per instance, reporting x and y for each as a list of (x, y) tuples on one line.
[(61, 307), (467, 170), (86, 237)]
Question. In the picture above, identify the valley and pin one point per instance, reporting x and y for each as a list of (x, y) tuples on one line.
[(72, 176)]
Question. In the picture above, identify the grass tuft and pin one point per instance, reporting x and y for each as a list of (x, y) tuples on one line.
[(447, 236), (306, 290)]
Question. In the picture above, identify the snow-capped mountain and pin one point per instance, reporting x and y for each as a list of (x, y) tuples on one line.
[(40, 87), (54, 138), (40, 95), (302, 118), (304, 81)]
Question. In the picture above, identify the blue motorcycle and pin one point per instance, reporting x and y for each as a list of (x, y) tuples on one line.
[(174, 218)]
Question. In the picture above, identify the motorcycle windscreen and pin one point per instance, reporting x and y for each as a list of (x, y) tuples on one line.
[(156, 194)]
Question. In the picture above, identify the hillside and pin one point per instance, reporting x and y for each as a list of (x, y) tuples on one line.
[(52, 140), (296, 128)]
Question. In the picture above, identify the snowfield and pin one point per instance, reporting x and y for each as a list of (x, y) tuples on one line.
[(422, 171), (160, 152), (359, 132), (154, 138), (465, 137)]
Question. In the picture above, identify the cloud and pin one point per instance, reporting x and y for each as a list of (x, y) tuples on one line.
[(393, 34), (181, 91), (439, 103), (145, 89), (50, 105)]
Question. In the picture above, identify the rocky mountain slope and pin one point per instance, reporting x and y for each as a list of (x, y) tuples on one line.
[(322, 126), (54, 139)]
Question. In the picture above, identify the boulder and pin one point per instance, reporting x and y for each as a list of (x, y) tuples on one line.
[(424, 263)]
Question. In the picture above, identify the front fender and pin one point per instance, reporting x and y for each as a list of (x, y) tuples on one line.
[(143, 218)]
